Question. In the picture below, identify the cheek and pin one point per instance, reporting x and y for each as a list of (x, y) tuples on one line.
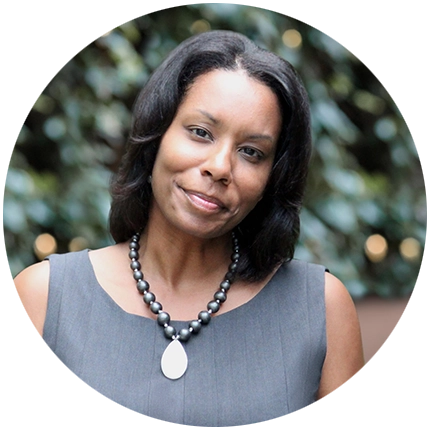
[(249, 198), (173, 155), (164, 165), (253, 189)]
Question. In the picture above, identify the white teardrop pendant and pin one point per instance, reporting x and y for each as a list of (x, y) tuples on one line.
[(174, 361)]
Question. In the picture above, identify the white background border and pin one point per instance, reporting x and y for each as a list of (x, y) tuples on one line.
[(34, 37)]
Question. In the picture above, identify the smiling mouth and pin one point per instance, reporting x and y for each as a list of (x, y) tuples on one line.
[(205, 202)]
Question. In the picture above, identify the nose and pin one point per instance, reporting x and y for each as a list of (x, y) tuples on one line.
[(218, 163)]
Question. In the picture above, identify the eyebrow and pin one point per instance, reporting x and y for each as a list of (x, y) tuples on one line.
[(209, 116), (251, 137), (262, 137)]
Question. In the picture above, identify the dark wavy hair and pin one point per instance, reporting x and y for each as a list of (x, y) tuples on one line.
[(269, 233)]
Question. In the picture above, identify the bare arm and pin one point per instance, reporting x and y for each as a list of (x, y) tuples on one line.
[(31, 290), (344, 347)]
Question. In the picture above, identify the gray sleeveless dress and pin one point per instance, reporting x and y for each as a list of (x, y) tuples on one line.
[(259, 361)]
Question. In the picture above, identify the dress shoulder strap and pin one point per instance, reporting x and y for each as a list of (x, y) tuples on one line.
[(65, 273)]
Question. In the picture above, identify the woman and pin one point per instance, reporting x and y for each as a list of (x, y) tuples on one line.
[(205, 205)]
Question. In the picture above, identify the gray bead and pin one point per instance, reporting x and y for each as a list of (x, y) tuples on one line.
[(233, 267), (184, 334), (204, 317), (196, 326), (163, 318), (148, 298), (169, 332), (137, 275), (134, 245), (225, 285), (213, 306), (229, 276), (221, 296), (133, 254), (135, 265), (235, 257), (156, 307), (142, 286)]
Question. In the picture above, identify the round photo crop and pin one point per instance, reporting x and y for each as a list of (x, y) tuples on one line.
[(364, 215)]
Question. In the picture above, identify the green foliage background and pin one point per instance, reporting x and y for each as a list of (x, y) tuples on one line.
[(365, 174)]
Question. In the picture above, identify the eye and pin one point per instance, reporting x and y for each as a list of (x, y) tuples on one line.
[(200, 133), (252, 153)]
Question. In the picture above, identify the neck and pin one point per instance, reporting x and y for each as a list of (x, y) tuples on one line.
[(178, 261)]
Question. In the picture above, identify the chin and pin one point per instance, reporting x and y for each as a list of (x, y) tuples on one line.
[(203, 229)]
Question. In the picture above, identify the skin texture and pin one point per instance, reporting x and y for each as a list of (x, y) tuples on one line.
[(211, 170), (215, 159)]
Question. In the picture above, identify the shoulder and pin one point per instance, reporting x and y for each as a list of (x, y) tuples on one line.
[(34, 278), (344, 347), (32, 285), (344, 359), (340, 309), (336, 295), (341, 314), (109, 254)]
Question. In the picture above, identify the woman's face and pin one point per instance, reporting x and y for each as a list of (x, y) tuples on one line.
[(215, 159)]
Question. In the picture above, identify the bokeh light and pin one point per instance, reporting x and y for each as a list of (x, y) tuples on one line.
[(44, 245), (376, 248), (200, 26), (292, 38), (410, 249), (78, 244)]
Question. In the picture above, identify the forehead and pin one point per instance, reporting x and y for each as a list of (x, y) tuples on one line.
[(232, 95), (228, 81)]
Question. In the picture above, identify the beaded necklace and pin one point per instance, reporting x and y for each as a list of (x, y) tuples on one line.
[(174, 361)]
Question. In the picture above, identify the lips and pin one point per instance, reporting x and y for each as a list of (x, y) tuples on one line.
[(204, 201)]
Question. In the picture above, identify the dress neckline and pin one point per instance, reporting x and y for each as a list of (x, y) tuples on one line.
[(114, 305)]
